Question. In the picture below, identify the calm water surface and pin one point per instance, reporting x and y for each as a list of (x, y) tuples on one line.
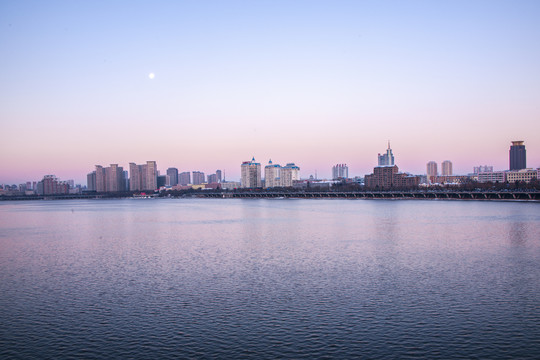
[(117, 279)]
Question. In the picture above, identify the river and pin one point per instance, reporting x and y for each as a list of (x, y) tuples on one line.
[(269, 278)]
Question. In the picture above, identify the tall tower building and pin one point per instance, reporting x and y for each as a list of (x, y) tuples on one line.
[(100, 178), (271, 175), (135, 179), (386, 159), (446, 168), (431, 169), (251, 174), (218, 175), (151, 175), (518, 158)]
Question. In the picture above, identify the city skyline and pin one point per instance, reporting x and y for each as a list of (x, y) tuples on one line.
[(387, 159), (203, 86)]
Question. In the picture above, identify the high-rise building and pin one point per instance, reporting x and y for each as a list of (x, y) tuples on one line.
[(218, 174), (446, 168), (431, 169), (126, 180), (161, 180), (100, 178), (386, 159), (143, 177), (271, 175), (518, 156), (288, 174), (172, 173), (212, 178), (114, 178), (151, 175), (184, 178), (91, 181), (108, 179), (251, 174), (341, 171), (198, 177), (135, 177)]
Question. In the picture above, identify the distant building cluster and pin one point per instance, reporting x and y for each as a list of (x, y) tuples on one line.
[(50, 185), (107, 179), (518, 171), (480, 169), (509, 176), (145, 178), (274, 175), (386, 175)]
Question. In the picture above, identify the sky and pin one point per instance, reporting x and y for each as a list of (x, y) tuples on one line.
[(316, 83)]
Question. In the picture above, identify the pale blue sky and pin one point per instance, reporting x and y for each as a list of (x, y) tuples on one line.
[(311, 82)]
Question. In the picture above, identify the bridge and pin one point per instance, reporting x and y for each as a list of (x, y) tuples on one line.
[(457, 195), (514, 195)]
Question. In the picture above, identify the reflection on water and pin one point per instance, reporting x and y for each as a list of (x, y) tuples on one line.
[(269, 279), (517, 234)]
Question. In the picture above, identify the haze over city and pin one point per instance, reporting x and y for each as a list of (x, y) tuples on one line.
[(207, 85)]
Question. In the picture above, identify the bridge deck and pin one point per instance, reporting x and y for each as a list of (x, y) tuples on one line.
[(457, 195)]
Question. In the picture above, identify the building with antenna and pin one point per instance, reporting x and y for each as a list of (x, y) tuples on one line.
[(386, 159)]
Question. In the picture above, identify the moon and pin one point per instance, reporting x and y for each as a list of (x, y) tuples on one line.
[(151, 76)]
